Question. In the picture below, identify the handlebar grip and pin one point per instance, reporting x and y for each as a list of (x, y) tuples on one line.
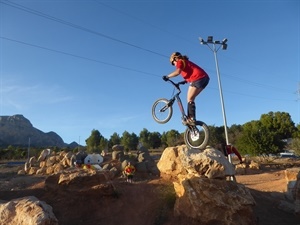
[(165, 78)]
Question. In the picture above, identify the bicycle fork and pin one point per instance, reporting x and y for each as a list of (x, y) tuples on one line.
[(170, 103)]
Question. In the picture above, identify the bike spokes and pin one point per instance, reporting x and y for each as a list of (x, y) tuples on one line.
[(162, 110), (197, 136)]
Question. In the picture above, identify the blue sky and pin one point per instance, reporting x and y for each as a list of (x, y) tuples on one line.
[(74, 66)]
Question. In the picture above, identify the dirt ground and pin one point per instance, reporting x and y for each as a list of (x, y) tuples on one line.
[(147, 201)]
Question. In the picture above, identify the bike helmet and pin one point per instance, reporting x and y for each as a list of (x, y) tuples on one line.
[(173, 56)]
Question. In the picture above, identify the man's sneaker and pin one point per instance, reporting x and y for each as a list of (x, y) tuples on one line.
[(191, 121)]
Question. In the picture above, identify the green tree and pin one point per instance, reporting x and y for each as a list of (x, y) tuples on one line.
[(267, 135), (216, 135), (10, 152), (20, 153), (103, 144), (114, 139), (250, 140), (172, 138), (234, 133), (134, 141), (145, 138), (279, 123), (155, 139), (164, 140), (93, 142), (125, 140), (295, 143), (129, 141)]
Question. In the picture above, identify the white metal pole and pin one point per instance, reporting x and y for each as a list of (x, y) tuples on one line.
[(222, 103), (215, 50), (221, 94)]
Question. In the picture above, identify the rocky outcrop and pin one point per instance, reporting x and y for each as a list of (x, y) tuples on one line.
[(291, 203), (214, 201), (27, 211), (203, 192), (16, 130), (297, 195), (51, 162), (291, 175), (82, 181), (143, 162), (210, 163)]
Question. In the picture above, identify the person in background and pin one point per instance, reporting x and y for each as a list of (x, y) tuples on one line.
[(129, 171), (193, 74), (230, 149)]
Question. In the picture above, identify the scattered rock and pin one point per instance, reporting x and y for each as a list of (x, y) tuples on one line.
[(27, 211)]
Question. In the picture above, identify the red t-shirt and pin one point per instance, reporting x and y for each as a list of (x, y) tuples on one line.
[(190, 71)]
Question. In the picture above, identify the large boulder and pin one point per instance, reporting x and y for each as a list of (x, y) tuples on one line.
[(291, 175), (210, 163), (146, 163), (44, 154), (292, 203), (80, 156), (80, 181), (27, 211), (297, 195), (203, 193), (214, 201), (118, 152)]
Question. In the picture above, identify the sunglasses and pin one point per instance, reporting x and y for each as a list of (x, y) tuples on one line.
[(173, 61)]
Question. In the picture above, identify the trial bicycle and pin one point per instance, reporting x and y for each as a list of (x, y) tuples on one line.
[(195, 136)]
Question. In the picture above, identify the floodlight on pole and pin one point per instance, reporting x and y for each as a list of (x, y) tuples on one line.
[(213, 46), (210, 39)]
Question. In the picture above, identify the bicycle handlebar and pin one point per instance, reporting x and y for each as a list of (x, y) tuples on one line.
[(177, 84)]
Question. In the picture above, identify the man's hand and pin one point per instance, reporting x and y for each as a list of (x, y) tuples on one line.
[(165, 78)]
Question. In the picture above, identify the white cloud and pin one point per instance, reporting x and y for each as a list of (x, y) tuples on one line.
[(20, 96)]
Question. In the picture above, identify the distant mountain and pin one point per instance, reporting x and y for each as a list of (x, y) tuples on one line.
[(16, 130), (74, 145)]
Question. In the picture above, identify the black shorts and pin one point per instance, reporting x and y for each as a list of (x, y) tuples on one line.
[(202, 83)]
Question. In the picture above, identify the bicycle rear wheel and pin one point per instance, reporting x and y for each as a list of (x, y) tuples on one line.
[(162, 111), (197, 136)]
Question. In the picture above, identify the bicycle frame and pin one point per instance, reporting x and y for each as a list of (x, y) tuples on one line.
[(196, 135), (177, 98), (183, 115)]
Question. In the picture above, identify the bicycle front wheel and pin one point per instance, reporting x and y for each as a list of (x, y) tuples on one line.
[(197, 136), (162, 111)]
